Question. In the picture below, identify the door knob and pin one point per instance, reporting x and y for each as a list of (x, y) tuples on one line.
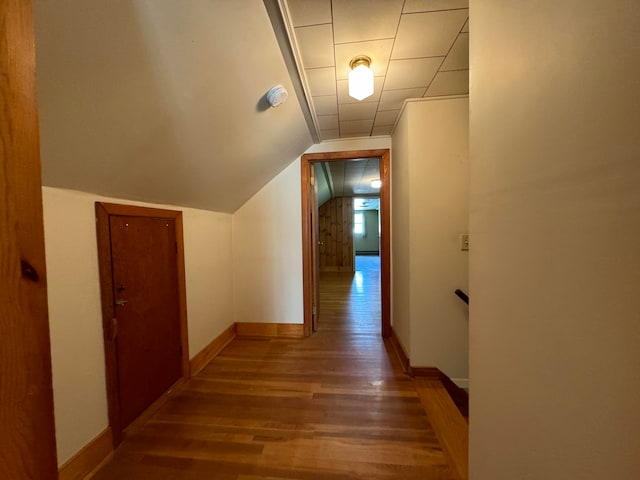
[(121, 302)]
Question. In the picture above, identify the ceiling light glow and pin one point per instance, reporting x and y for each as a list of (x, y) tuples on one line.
[(376, 183), (360, 78)]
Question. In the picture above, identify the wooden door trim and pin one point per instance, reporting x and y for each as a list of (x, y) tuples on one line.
[(103, 212), (385, 225), (27, 434)]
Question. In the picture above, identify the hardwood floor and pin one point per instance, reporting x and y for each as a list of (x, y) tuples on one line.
[(332, 406)]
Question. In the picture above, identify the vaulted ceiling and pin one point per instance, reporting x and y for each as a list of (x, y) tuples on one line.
[(164, 101)]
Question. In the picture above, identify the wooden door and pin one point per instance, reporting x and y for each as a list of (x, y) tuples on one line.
[(145, 289), (315, 265), (27, 438)]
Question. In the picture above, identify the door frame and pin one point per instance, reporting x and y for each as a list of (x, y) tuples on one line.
[(27, 436), (385, 235), (103, 212)]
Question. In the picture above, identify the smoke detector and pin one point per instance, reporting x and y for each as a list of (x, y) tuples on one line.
[(277, 95)]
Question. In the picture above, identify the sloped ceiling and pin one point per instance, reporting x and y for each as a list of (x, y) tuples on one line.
[(163, 100)]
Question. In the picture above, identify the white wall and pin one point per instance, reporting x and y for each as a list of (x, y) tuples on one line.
[(267, 252), (438, 214), (555, 256), (267, 243), (75, 315), (433, 184), (346, 144), (369, 241), (400, 258)]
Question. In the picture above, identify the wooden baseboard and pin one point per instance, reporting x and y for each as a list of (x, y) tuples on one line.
[(92, 455), (286, 330), (451, 428), (402, 355), (427, 372), (208, 353), (459, 396)]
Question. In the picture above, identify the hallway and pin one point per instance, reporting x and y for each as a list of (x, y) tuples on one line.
[(332, 406)]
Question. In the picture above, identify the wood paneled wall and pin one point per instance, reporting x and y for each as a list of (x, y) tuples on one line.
[(335, 225)]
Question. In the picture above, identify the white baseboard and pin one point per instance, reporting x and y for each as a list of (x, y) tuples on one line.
[(462, 383)]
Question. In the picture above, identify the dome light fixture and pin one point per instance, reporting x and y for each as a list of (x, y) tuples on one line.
[(360, 78), (376, 183)]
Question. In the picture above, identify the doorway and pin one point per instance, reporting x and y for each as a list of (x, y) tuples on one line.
[(310, 232), (143, 302)]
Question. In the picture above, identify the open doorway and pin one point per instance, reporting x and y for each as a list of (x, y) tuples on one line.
[(312, 168)]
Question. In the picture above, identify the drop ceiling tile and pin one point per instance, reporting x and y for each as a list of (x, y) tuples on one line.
[(322, 81), (455, 82), (458, 58), (413, 73), (466, 26), (386, 118), (325, 105), (378, 50), (343, 92), (329, 134), (393, 99), (348, 190), (360, 127), (354, 169), (309, 12), (372, 169), (382, 130), (316, 45), (328, 122), (380, 21), (357, 111), (415, 6), (428, 34)]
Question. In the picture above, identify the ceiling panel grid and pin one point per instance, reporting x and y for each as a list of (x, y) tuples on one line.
[(418, 48)]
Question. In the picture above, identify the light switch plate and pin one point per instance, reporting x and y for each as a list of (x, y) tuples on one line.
[(464, 241)]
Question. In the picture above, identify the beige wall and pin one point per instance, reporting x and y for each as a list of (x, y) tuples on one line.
[(346, 144), (75, 316), (370, 241), (267, 252), (400, 281), (432, 188), (555, 256), (267, 243)]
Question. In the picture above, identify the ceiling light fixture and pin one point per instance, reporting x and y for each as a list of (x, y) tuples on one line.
[(376, 183), (360, 78)]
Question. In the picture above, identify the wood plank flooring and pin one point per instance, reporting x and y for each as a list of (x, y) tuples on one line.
[(333, 406)]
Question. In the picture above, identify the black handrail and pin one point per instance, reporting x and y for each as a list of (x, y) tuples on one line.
[(463, 296)]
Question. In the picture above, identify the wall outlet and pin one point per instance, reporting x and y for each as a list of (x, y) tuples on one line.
[(464, 241)]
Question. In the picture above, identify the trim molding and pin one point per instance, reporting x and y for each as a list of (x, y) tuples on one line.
[(461, 383), (385, 235), (450, 427), (283, 330), (89, 458), (459, 396), (211, 351), (427, 372), (99, 450), (402, 356), (103, 211), (456, 388)]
